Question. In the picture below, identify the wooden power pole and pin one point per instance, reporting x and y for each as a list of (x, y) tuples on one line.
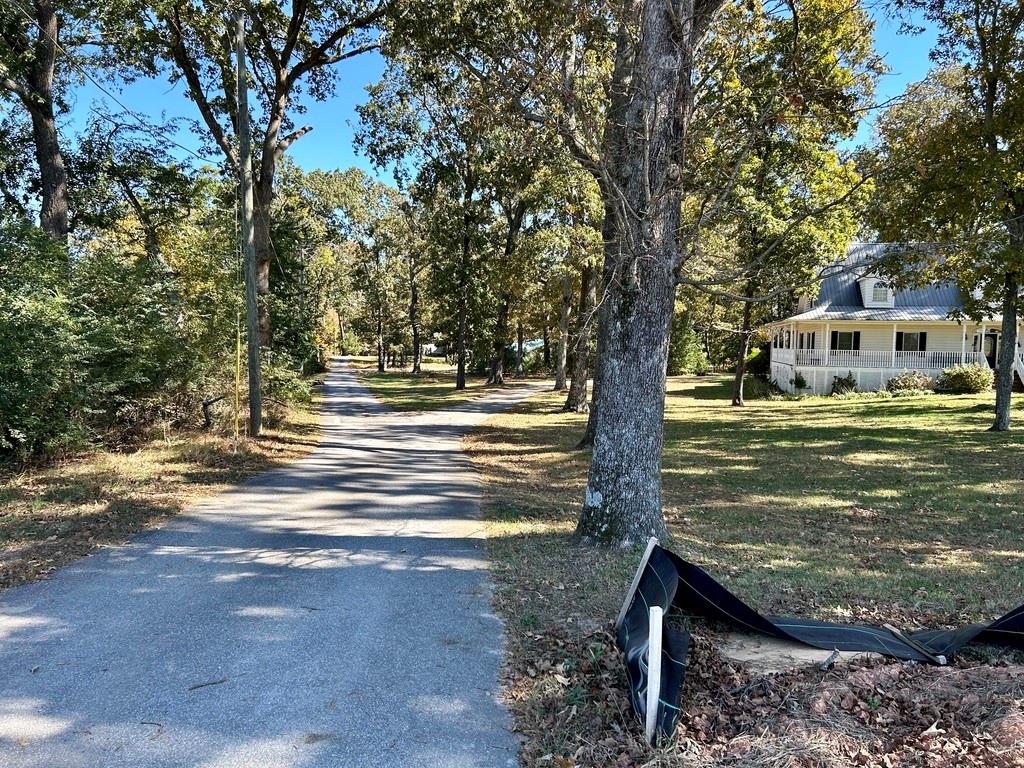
[(248, 238)]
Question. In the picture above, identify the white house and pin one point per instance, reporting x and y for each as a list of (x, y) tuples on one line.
[(857, 324)]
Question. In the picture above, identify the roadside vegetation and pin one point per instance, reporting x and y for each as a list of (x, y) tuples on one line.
[(54, 513), (899, 510)]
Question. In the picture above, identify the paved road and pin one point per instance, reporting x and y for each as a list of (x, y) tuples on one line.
[(331, 613)]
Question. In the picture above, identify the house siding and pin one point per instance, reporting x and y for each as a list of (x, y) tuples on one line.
[(946, 337)]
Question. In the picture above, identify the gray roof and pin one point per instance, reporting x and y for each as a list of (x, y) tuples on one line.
[(840, 299)]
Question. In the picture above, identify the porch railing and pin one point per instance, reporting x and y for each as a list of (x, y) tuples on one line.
[(857, 358)]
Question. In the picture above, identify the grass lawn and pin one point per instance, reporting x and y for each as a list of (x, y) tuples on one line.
[(51, 515), (903, 510), (431, 390)]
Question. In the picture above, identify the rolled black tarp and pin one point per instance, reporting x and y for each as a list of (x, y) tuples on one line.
[(667, 581)]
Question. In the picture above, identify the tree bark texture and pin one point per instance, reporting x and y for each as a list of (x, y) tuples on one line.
[(576, 400), (1007, 353), (744, 346), (643, 157), (35, 92), (497, 374)]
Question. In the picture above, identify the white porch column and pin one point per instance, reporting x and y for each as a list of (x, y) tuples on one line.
[(963, 343), (828, 342), (894, 345), (981, 344)]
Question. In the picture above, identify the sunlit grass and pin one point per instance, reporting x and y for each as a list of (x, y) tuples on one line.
[(431, 390), (906, 508)]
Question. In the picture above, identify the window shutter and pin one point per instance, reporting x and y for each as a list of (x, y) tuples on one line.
[(813, 339), (899, 341), (834, 340), (923, 346), (856, 340)]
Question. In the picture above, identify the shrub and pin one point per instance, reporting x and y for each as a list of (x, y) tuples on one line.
[(880, 395), (798, 381), (965, 379), (40, 346), (844, 385), (759, 363), (756, 388), (909, 381)]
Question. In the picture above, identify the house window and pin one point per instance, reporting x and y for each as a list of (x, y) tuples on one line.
[(880, 293), (845, 341), (911, 342), (807, 340)]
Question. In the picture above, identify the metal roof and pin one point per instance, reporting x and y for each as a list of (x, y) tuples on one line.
[(839, 297)]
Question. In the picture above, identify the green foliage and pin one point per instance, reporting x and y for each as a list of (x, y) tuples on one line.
[(844, 385), (685, 354), (798, 381), (909, 381), (40, 345), (759, 362), (965, 379)]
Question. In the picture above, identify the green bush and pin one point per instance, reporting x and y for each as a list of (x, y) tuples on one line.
[(798, 381), (40, 347), (844, 385), (759, 363), (909, 381), (757, 388), (965, 379)]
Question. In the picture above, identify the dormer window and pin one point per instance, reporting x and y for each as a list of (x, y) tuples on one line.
[(875, 293)]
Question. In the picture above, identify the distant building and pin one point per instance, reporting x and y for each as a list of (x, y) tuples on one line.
[(857, 324)]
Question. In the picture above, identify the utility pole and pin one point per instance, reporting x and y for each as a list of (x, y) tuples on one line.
[(248, 238)]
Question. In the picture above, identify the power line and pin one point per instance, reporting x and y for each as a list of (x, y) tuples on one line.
[(85, 73)]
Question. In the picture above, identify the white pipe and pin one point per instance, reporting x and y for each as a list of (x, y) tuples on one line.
[(653, 674)]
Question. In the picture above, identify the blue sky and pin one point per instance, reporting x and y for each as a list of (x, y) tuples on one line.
[(330, 144)]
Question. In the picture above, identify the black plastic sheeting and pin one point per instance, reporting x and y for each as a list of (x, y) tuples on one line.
[(669, 581)]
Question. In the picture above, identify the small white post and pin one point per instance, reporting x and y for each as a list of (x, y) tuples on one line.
[(828, 342), (894, 345), (651, 544), (653, 674), (963, 343)]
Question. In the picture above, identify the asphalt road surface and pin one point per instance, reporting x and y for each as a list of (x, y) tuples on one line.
[(334, 612)]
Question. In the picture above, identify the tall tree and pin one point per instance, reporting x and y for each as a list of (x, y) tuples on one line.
[(951, 158), (791, 204), (31, 44), (293, 50)]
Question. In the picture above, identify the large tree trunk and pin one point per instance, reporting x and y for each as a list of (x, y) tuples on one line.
[(1007, 353), (562, 351), (497, 375), (36, 95), (576, 400), (744, 346), (463, 288), (653, 100)]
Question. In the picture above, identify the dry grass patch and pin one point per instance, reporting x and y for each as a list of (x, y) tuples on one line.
[(52, 515)]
